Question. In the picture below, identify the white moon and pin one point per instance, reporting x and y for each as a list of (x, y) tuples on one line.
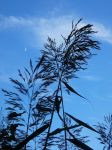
[(25, 49)]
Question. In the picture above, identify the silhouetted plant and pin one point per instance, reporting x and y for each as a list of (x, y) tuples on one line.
[(60, 65), (21, 104), (105, 132), (43, 87), (5, 135)]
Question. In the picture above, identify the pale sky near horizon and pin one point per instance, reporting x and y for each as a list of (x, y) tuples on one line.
[(24, 27)]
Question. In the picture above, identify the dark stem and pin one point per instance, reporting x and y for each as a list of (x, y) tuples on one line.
[(29, 112), (63, 117), (51, 119), (60, 72)]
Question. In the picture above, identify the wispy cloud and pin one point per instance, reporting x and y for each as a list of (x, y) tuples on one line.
[(12, 21), (91, 78), (53, 27), (104, 33)]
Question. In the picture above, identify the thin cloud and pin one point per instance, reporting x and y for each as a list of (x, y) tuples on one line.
[(62, 25), (53, 27), (12, 21), (91, 78), (104, 33)]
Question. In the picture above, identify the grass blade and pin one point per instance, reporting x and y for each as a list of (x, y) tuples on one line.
[(78, 143), (30, 137), (72, 90), (81, 123)]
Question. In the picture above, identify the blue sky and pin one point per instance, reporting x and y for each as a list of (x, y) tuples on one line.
[(24, 27)]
